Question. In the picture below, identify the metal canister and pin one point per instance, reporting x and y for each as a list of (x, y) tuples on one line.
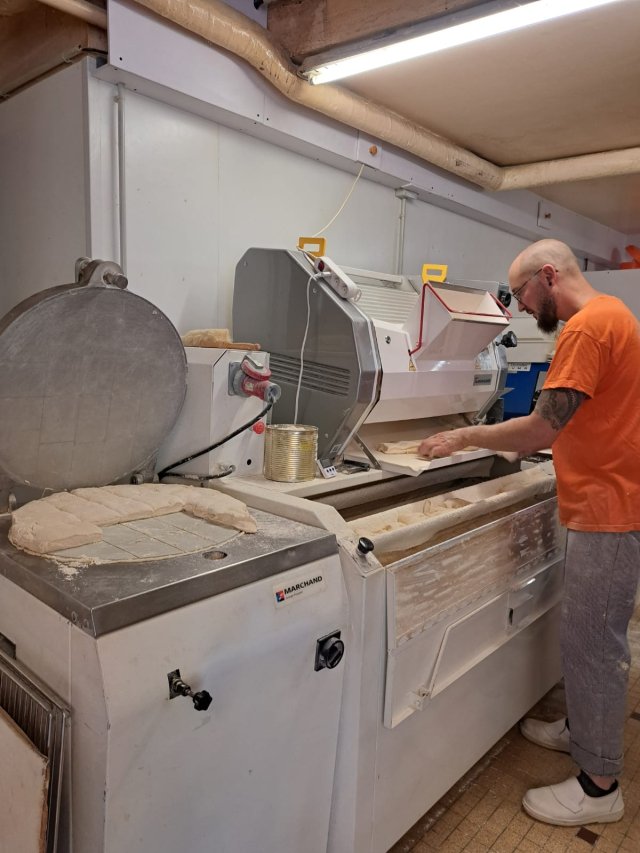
[(290, 452)]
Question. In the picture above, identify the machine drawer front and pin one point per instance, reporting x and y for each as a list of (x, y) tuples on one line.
[(452, 606)]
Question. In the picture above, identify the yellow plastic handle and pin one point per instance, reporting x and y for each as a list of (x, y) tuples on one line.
[(434, 272), (314, 246)]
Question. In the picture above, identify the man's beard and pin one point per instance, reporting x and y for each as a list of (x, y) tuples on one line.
[(548, 315)]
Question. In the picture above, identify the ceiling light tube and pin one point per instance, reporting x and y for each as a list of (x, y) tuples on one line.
[(453, 36)]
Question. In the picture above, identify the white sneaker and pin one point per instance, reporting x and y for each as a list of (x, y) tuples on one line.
[(567, 804), (550, 735)]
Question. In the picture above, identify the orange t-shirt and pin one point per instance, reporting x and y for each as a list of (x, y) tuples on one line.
[(597, 454)]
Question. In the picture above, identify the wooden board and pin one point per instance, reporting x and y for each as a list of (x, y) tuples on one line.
[(39, 40), (306, 27), (375, 435), (24, 787)]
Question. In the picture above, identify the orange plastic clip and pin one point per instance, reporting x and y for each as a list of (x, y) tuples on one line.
[(314, 246), (434, 272)]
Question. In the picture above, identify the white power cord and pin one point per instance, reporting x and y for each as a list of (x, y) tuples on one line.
[(312, 278), (304, 342), (343, 205)]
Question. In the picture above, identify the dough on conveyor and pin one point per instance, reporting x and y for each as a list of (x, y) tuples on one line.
[(396, 447), (410, 447), (69, 520)]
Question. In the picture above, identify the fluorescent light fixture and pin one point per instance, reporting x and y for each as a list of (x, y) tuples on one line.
[(494, 24)]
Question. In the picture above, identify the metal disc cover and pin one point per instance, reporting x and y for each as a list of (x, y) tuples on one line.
[(92, 379)]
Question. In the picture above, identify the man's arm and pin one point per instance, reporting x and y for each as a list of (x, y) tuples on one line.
[(553, 411)]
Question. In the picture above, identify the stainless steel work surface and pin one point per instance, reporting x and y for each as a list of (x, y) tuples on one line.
[(92, 378), (104, 597)]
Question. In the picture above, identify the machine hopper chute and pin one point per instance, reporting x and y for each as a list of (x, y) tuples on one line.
[(461, 321)]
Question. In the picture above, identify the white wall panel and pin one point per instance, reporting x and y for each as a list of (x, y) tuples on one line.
[(102, 155), (173, 229), (169, 64), (270, 197), (472, 249), (42, 180)]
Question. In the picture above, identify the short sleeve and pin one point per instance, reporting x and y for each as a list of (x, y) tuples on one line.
[(578, 363)]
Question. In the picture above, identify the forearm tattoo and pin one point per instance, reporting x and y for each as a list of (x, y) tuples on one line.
[(559, 405)]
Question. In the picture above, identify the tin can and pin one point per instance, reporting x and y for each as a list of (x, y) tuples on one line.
[(290, 452)]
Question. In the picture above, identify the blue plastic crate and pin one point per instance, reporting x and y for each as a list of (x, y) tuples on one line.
[(524, 378)]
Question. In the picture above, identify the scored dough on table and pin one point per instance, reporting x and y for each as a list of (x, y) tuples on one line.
[(85, 509), (160, 501), (66, 520), (41, 527), (219, 508), (128, 508)]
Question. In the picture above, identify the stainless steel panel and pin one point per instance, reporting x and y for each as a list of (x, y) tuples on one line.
[(92, 378), (106, 596), (341, 372)]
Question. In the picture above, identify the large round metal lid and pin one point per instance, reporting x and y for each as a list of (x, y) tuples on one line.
[(92, 379)]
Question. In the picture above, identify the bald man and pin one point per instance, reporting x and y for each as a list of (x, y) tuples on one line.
[(589, 412)]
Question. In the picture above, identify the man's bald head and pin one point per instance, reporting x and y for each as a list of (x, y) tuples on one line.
[(543, 252)]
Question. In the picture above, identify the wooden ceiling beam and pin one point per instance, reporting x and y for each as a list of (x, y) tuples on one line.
[(309, 27), (39, 40)]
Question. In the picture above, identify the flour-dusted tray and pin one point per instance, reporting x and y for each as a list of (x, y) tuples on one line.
[(416, 523)]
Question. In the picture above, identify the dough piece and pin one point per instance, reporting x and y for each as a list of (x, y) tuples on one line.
[(395, 447), (84, 509), (217, 338), (127, 509), (41, 528), (411, 517), (207, 338), (219, 509), (160, 498)]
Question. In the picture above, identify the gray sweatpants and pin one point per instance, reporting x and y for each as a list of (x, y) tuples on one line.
[(601, 576)]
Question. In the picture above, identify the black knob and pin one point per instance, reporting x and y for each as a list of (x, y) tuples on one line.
[(202, 700), (329, 651), (332, 652), (504, 296), (178, 687), (365, 545), (509, 340)]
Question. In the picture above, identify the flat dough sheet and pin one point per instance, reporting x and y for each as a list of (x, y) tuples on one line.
[(64, 520)]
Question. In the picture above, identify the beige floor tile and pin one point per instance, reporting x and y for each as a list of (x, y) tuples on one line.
[(604, 846)]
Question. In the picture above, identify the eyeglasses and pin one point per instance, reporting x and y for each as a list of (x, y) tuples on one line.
[(516, 293)]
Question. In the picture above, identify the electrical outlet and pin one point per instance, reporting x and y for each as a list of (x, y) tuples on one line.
[(545, 218)]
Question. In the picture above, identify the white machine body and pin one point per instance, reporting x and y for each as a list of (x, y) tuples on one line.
[(194, 672), (210, 412), (146, 773), (440, 359), (351, 348)]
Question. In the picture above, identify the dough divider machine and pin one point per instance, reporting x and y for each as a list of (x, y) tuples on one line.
[(198, 675), (454, 566)]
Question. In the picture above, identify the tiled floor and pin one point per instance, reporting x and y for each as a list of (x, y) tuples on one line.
[(483, 812)]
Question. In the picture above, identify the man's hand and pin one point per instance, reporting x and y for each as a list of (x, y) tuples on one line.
[(444, 443)]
